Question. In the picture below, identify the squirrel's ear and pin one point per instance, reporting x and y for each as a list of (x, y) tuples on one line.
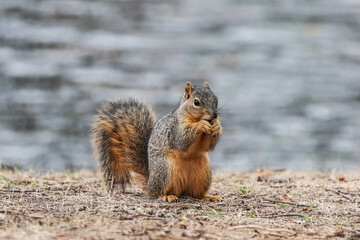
[(188, 90), (206, 84)]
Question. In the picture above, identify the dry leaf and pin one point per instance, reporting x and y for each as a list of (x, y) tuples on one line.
[(265, 173), (286, 198), (341, 179), (184, 219)]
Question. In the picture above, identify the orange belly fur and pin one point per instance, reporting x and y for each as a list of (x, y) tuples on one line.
[(190, 170)]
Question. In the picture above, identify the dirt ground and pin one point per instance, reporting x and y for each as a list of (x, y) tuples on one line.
[(264, 204)]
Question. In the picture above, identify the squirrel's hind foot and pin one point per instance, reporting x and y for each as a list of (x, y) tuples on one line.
[(212, 198), (169, 198)]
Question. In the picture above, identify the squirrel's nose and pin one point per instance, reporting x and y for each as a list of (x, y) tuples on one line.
[(215, 115)]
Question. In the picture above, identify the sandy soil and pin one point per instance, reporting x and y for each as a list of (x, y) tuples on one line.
[(263, 204)]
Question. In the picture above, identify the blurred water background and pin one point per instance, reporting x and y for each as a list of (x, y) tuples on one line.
[(287, 74)]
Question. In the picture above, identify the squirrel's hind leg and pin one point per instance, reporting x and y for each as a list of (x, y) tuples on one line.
[(158, 179)]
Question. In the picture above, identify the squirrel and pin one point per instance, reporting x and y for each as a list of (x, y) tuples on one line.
[(170, 157)]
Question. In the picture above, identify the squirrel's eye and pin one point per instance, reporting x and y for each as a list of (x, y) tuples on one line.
[(196, 102)]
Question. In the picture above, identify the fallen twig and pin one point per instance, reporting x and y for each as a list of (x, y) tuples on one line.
[(289, 203), (281, 215), (343, 194), (274, 180), (17, 191), (346, 229), (338, 191), (276, 230), (10, 211)]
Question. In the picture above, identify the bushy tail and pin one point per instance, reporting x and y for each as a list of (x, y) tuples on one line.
[(120, 136)]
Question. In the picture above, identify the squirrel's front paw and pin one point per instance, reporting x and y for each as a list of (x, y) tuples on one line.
[(169, 198), (206, 127), (216, 129)]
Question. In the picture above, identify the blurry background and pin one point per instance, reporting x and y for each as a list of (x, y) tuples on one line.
[(287, 74)]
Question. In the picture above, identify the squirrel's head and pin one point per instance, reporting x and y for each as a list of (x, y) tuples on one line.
[(199, 102)]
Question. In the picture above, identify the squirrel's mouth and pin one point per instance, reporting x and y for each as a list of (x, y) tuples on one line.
[(210, 117), (209, 121)]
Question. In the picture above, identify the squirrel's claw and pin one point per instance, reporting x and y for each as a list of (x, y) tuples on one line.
[(169, 198), (206, 127), (215, 130), (212, 198)]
